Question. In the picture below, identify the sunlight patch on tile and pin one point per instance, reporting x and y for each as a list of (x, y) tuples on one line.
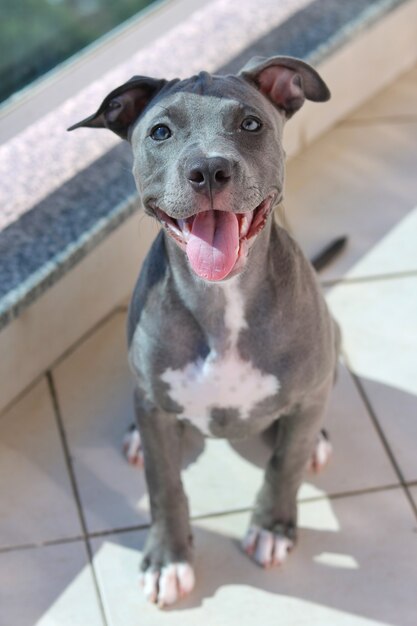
[(319, 516), (48, 586), (222, 479), (117, 568), (67, 611), (143, 503), (120, 556), (269, 608), (308, 490), (332, 559), (378, 321)]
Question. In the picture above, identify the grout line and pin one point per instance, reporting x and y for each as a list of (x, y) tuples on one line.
[(202, 516), (121, 529), (145, 526), (381, 434), (331, 282), (327, 496), (76, 493), (248, 509), (119, 309), (41, 544), (350, 494)]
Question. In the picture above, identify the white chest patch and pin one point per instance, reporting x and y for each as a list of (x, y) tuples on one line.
[(223, 381)]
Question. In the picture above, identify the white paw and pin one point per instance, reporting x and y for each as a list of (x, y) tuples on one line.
[(321, 454), (132, 447), (171, 583), (266, 548)]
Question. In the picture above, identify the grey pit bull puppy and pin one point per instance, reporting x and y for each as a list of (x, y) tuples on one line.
[(227, 328)]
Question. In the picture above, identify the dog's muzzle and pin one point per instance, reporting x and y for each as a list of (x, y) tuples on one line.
[(217, 242)]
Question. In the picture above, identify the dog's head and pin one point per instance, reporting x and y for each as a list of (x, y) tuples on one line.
[(208, 156)]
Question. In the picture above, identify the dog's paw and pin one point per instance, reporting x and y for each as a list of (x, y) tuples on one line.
[(321, 453), (132, 447), (265, 547), (169, 584)]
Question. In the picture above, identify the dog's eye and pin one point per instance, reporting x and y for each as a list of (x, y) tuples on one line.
[(160, 132), (251, 124)]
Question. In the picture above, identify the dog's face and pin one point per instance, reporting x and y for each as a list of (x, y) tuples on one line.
[(208, 156), (197, 167)]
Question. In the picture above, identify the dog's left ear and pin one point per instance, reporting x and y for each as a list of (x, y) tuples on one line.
[(122, 107), (286, 81)]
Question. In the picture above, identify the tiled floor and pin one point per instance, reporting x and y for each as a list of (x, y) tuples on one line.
[(74, 514)]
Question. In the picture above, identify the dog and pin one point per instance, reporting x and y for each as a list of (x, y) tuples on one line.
[(227, 327)]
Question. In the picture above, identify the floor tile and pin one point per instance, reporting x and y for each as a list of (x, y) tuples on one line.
[(48, 586), (396, 252), (398, 100), (94, 388), (359, 460), (358, 182), (396, 411), (349, 569), (379, 327), (36, 502)]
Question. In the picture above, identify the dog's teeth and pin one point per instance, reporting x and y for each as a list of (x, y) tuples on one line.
[(183, 224), (245, 223), (184, 227)]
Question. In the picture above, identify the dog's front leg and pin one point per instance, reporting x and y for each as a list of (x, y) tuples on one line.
[(167, 573), (273, 528)]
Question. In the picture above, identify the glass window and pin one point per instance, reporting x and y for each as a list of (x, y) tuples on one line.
[(37, 35)]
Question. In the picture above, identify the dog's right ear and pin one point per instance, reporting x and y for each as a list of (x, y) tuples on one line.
[(122, 107)]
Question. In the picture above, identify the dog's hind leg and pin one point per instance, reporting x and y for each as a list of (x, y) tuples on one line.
[(132, 447), (322, 452)]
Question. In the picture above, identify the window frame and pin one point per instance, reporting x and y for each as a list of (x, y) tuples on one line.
[(47, 92)]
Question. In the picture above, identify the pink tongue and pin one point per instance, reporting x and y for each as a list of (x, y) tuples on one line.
[(213, 246)]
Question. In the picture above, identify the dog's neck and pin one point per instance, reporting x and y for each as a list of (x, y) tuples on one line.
[(208, 301)]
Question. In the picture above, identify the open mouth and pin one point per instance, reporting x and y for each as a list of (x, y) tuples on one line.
[(217, 242)]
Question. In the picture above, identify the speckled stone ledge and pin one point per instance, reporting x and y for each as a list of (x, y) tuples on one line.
[(61, 194)]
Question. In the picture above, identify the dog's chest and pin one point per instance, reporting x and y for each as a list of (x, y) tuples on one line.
[(223, 382)]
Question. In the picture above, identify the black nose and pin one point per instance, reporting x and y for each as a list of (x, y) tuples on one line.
[(209, 175)]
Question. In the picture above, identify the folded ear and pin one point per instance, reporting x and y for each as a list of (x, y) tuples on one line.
[(286, 81), (121, 108)]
